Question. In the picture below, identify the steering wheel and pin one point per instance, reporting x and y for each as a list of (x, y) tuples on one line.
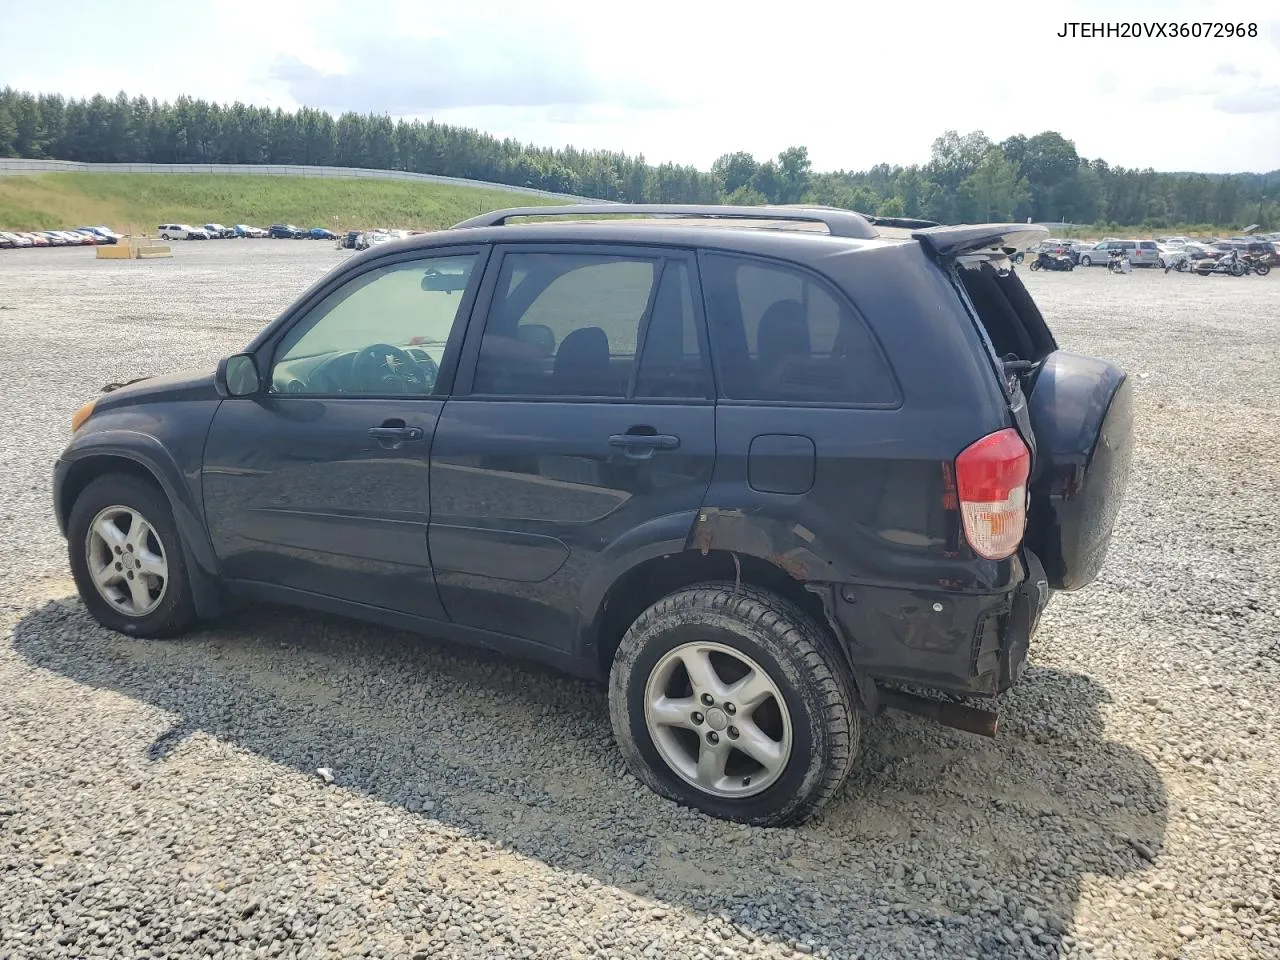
[(382, 368)]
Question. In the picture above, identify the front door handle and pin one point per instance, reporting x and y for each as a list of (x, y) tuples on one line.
[(641, 441), (395, 432), (640, 446)]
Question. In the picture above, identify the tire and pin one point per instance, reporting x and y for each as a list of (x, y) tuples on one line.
[(739, 629), (1035, 264), (1086, 262), (1237, 270), (174, 610), (1262, 269), (164, 236)]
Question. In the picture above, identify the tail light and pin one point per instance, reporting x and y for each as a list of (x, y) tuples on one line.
[(991, 481)]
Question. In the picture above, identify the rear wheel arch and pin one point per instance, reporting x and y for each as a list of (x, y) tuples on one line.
[(647, 582)]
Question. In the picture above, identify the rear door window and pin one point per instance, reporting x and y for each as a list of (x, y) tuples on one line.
[(569, 325), (782, 334)]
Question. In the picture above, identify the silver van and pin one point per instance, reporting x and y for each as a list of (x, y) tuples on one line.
[(1141, 253)]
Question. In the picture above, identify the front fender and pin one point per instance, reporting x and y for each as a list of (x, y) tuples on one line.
[(93, 451)]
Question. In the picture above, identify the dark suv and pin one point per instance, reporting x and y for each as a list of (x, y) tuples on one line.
[(285, 231), (767, 470)]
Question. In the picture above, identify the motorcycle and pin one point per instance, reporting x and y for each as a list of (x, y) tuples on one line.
[(1229, 265), (1117, 262), (1258, 263), (1049, 261)]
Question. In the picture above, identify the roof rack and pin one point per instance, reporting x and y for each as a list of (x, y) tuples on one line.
[(839, 223)]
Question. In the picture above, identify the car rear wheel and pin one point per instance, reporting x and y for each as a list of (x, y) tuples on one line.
[(126, 558), (735, 702)]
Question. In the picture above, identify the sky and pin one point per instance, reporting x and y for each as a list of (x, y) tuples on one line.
[(856, 83)]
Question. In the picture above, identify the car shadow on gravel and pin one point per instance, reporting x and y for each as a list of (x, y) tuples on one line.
[(973, 845)]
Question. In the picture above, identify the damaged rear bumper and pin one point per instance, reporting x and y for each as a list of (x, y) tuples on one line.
[(967, 644)]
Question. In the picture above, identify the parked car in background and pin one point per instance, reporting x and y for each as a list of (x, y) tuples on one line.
[(181, 231), (1170, 253), (320, 233), (285, 231), (349, 240), (17, 240), (1141, 253), (371, 238), (1199, 251), (54, 238), (217, 231), (1250, 246), (37, 239), (107, 234), (244, 230), (7, 242)]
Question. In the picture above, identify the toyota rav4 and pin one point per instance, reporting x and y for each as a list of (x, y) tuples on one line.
[(765, 471)]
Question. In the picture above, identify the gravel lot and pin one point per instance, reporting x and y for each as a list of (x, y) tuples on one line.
[(160, 798)]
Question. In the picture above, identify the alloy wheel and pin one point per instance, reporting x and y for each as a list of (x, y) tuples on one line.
[(717, 719), (127, 561)]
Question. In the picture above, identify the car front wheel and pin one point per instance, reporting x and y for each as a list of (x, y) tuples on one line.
[(126, 558), (1086, 261), (735, 702)]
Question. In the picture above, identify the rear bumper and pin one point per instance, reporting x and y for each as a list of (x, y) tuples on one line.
[(965, 644)]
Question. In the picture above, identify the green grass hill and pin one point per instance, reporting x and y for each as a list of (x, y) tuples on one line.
[(137, 203)]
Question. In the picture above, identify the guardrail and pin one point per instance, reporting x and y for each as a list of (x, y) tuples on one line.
[(18, 168)]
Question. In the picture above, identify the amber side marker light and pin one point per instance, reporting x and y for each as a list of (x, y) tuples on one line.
[(80, 416)]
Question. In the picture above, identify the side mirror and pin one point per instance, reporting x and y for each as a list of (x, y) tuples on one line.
[(237, 376)]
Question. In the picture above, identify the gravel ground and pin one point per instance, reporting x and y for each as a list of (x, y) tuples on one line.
[(160, 799)]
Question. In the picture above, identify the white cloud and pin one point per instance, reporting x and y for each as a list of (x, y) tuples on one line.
[(857, 84)]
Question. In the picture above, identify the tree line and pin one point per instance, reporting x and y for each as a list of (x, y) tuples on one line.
[(968, 178)]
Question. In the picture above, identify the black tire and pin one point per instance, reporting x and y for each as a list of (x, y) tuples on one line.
[(798, 657), (1035, 264), (176, 611), (1086, 261), (1262, 269)]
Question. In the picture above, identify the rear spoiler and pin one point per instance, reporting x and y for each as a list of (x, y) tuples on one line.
[(901, 223), (955, 241)]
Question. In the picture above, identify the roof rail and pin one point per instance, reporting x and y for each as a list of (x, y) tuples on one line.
[(839, 223)]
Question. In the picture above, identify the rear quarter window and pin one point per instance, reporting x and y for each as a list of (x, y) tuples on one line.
[(783, 334)]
